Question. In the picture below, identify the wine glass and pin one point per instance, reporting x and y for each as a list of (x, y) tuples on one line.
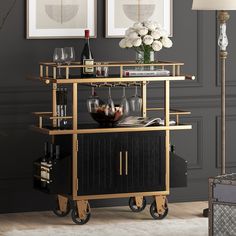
[(58, 58), (110, 104), (124, 104), (93, 102), (69, 53), (135, 101)]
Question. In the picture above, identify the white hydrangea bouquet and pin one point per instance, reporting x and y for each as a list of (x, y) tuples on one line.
[(146, 38)]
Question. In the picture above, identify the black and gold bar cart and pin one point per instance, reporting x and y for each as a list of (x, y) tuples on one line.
[(109, 162)]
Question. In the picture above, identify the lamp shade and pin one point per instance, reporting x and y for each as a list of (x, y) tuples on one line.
[(214, 5)]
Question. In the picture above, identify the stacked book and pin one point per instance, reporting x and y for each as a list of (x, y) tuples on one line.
[(145, 73)]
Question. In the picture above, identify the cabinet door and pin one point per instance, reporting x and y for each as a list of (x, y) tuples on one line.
[(121, 163), (145, 154), (97, 164)]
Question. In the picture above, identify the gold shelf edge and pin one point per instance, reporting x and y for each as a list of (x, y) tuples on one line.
[(110, 130), (113, 80), (114, 64), (120, 195)]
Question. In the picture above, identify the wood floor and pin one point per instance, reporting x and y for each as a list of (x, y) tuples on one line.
[(100, 216)]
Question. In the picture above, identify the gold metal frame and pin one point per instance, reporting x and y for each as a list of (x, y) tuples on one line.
[(47, 78)]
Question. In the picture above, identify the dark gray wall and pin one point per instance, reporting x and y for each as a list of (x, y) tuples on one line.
[(194, 44)]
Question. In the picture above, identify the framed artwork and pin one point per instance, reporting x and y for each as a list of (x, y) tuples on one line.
[(60, 18), (121, 14)]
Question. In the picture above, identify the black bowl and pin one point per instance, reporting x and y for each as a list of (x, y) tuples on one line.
[(105, 119)]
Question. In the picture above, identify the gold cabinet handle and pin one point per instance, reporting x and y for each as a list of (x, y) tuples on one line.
[(126, 163), (120, 163)]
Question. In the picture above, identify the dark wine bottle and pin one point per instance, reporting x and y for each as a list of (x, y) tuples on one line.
[(45, 157), (49, 163), (43, 172), (51, 154), (59, 105), (64, 107), (87, 58), (57, 152)]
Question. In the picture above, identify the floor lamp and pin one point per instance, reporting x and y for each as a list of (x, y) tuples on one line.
[(222, 6)]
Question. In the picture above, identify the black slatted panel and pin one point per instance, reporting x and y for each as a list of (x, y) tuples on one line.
[(146, 153), (96, 164)]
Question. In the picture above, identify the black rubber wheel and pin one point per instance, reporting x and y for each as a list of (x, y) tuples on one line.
[(60, 213), (155, 215), (77, 220), (134, 207)]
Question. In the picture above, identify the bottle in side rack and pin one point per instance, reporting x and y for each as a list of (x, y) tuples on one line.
[(57, 152), (64, 107), (49, 162), (59, 104), (87, 58), (61, 107), (43, 169)]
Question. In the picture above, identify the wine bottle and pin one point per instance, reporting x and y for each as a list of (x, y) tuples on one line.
[(51, 154), (59, 104), (57, 152), (45, 157), (87, 58), (49, 162), (43, 172), (64, 107)]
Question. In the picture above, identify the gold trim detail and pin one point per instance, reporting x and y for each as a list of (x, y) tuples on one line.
[(120, 195), (110, 130), (120, 163), (126, 162)]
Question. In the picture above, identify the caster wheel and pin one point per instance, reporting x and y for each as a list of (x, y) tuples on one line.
[(60, 213), (77, 220), (155, 215), (134, 207)]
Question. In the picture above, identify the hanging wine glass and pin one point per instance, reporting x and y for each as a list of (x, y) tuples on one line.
[(110, 104), (58, 58), (93, 102), (135, 102), (124, 104)]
